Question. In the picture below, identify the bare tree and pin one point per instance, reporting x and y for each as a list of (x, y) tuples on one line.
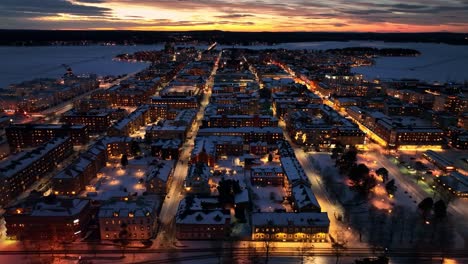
[(337, 251), (338, 246), (253, 254), (123, 237), (268, 244), (304, 249)]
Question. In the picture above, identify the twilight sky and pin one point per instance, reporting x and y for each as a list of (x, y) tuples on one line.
[(238, 15)]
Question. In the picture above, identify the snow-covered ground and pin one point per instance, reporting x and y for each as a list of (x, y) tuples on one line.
[(269, 199), (115, 181), (380, 220)]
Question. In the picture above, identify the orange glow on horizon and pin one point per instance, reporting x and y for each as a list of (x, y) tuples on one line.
[(248, 17)]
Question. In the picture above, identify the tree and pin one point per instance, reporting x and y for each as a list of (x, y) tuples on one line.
[(135, 148), (347, 160), (362, 181), (123, 237), (272, 196), (304, 249), (124, 160), (383, 172), (425, 206), (227, 190), (338, 150), (358, 173), (440, 209), (368, 184), (268, 244), (390, 187), (337, 251), (264, 93)]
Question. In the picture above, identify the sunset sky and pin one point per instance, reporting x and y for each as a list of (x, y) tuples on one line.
[(240, 15)]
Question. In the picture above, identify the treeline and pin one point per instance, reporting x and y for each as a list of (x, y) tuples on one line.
[(368, 51), (86, 37)]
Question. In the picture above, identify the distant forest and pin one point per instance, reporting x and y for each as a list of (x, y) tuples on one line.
[(85, 37)]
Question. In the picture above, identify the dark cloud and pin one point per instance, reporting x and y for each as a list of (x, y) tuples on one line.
[(234, 16), (31, 8), (281, 14), (340, 25), (408, 6)]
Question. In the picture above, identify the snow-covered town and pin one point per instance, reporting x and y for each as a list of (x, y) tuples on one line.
[(241, 156)]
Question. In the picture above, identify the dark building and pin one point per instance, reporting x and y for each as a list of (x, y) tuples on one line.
[(25, 168), (48, 218), (32, 135)]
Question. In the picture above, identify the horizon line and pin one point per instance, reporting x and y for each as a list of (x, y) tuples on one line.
[(229, 31)]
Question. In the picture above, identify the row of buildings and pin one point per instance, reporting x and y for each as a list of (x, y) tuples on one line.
[(39, 94), (21, 136), (243, 139), (20, 171), (59, 219)]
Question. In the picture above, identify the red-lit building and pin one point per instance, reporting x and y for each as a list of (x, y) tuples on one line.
[(48, 218)]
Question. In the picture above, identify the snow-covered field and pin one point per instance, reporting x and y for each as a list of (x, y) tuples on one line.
[(114, 181)]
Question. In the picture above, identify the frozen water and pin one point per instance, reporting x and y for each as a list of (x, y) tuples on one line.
[(438, 62), (26, 63)]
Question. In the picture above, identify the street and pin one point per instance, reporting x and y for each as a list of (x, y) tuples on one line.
[(176, 193)]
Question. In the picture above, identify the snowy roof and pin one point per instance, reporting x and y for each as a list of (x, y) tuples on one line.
[(155, 99), (203, 218), (272, 118), (162, 170), (90, 113), (304, 197), (79, 165), (133, 115), (460, 177), (201, 170), (24, 159), (197, 203), (140, 207), (168, 143), (242, 197), (209, 143), (293, 170), (235, 130), (177, 87), (166, 125), (60, 208), (50, 206), (290, 219), (266, 171)]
